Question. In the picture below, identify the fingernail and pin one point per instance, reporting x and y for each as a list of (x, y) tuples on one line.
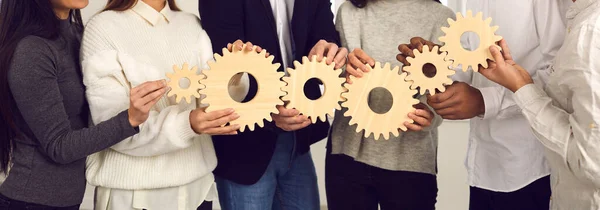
[(236, 115), (230, 110)]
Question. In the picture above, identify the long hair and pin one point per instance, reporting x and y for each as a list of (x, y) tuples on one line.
[(363, 3), (19, 19), (122, 5)]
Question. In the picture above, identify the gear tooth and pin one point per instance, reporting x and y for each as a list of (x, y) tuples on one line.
[(484, 65), (459, 16), (494, 29), (377, 65), (497, 38), (442, 89), (416, 52), (225, 51), (217, 58), (305, 59), (436, 49), (469, 14), (386, 135), (479, 16), (271, 58), (465, 67), (386, 66), (261, 123), (395, 132), (185, 67), (426, 49), (488, 21), (242, 128), (297, 64), (423, 91)]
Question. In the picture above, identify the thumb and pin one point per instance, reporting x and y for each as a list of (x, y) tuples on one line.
[(497, 55)]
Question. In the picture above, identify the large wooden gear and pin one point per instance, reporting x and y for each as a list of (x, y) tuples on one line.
[(422, 81), (181, 93), (256, 64), (319, 108), (457, 28), (370, 121)]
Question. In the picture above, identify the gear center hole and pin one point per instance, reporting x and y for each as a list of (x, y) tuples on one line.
[(313, 82), (184, 83), (429, 70), (242, 87), (380, 100), (473, 43)]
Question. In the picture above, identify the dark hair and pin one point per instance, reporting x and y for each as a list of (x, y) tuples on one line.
[(122, 5), (363, 3), (19, 19)]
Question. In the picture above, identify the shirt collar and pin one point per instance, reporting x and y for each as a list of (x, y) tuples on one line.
[(150, 14), (578, 7)]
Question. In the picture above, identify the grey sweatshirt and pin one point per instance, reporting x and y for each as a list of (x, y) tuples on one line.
[(51, 111), (378, 29)]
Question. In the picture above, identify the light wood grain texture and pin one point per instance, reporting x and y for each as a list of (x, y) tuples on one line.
[(420, 80), (468, 23), (370, 121), (330, 77), (189, 93), (261, 68)]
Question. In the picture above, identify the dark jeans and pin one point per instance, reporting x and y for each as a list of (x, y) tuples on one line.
[(354, 185), (535, 196), (289, 183), (10, 204)]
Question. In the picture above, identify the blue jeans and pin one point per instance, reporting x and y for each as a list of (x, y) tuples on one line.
[(289, 183)]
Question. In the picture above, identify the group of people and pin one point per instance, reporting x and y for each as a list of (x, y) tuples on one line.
[(88, 104)]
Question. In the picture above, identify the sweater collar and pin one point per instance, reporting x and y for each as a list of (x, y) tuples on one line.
[(150, 14)]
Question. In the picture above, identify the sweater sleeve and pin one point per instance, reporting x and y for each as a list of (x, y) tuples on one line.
[(33, 80), (108, 78)]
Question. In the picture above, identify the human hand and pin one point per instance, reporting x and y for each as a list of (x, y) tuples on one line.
[(357, 61), (237, 46), (290, 119), (407, 50), (505, 71), (423, 118), (460, 101), (331, 51), (211, 123), (142, 98)]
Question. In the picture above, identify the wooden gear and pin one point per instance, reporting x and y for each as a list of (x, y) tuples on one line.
[(420, 80), (362, 115), (319, 108), (453, 46), (184, 93), (266, 75)]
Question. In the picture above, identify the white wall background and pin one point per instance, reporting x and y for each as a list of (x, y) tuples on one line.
[(453, 189)]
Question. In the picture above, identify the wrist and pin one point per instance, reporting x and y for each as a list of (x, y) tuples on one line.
[(134, 123), (519, 85)]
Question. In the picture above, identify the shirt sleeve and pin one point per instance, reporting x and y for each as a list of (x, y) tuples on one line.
[(550, 27), (33, 80), (107, 76), (572, 135)]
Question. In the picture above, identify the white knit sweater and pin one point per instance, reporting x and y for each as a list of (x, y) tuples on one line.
[(121, 50)]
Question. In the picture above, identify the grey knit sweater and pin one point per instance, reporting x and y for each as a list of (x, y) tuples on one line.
[(51, 111), (378, 29)]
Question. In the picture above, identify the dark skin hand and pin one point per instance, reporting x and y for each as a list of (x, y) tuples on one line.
[(459, 101)]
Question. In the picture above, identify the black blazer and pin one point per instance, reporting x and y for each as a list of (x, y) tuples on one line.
[(244, 158)]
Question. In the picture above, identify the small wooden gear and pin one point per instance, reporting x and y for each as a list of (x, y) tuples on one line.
[(319, 108), (256, 64), (468, 23), (184, 93), (423, 82), (370, 121)]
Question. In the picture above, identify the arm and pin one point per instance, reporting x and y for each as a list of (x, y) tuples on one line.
[(550, 27), (33, 82), (167, 128)]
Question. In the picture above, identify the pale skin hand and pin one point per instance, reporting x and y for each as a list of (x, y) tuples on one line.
[(142, 98), (211, 123), (423, 118), (290, 119), (330, 50), (357, 64), (505, 71)]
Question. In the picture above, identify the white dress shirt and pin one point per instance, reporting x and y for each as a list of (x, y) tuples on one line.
[(503, 153), (566, 117), (283, 11)]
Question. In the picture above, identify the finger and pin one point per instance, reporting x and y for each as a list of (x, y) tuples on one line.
[(348, 80), (156, 95), (450, 117), (283, 112), (237, 45), (249, 46), (258, 49), (293, 120), (355, 64), (229, 47), (402, 59), (332, 50), (150, 104), (451, 102), (406, 51), (340, 58), (413, 127), (505, 50), (447, 111), (221, 130), (417, 43), (209, 116), (149, 87), (137, 89), (365, 58), (497, 55), (298, 126), (441, 97), (222, 120), (425, 114)]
